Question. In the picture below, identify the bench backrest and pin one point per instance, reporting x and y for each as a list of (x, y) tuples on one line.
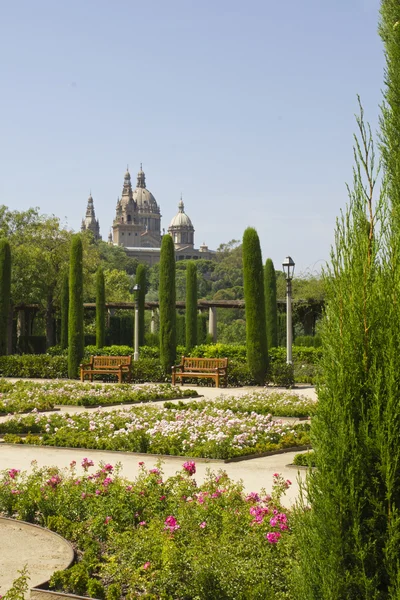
[(203, 364), (110, 361)]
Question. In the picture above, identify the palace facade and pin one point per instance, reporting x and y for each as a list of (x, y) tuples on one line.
[(137, 225)]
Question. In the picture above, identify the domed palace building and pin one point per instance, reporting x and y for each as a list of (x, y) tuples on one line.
[(137, 225)]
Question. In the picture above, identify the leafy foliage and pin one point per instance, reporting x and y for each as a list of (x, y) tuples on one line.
[(75, 308), (167, 304), (271, 307), (5, 291), (208, 430), (157, 538), (100, 308), (349, 526), (64, 302), (256, 338), (141, 280), (191, 305)]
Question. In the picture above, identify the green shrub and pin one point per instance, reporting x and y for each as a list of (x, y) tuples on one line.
[(271, 306), (202, 334), (64, 312), (5, 292), (34, 366), (308, 340), (180, 329), (167, 294), (304, 459), (140, 279), (191, 305), (253, 280), (75, 308), (280, 374), (153, 340), (100, 308)]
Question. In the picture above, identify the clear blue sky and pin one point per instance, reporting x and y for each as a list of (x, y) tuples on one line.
[(247, 108)]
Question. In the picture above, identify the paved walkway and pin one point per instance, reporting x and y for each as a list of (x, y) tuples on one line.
[(42, 551), (255, 474)]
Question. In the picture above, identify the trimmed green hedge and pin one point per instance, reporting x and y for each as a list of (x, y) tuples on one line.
[(40, 366), (148, 368)]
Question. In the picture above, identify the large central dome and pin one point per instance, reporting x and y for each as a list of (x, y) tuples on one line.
[(144, 199)]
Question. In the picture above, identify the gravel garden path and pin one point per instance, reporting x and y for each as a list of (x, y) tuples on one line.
[(19, 546)]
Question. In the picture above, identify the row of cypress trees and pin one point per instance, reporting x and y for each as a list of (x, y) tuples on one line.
[(72, 323), (72, 305)]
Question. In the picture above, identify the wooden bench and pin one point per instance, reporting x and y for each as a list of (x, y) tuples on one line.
[(213, 368), (110, 365)]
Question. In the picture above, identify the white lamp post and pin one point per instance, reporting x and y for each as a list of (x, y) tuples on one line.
[(288, 268), (136, 289)]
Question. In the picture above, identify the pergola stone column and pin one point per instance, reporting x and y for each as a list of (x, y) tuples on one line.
[(212, 322), (153, 322)]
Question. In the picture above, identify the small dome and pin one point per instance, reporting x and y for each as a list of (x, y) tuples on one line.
[(127, 174), (181, 219)]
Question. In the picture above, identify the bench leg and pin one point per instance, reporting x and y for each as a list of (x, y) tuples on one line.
[(217, 380), (173, 378)]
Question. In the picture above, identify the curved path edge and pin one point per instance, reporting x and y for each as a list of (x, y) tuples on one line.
[(41, 550)]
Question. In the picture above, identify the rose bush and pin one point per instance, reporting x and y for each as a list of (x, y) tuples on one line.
[(156, 538)]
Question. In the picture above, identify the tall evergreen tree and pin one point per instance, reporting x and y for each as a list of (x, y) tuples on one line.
[(191, 305), (141, 279), (389, 29), (271, 305), (348, 536), (5, 293), (100, 308), (64, 311), (75, 309), (167, 294), (253, 279)]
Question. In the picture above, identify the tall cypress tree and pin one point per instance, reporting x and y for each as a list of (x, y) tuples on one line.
[(141, 280), (271, 306), (167, 295), (348, 536), (253, 280), (191, 305), (100, 308), (389, 29), (64, 311), (5, 292), (75, 309)]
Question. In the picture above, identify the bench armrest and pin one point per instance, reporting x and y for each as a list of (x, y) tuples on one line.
[(83, 365), (176, 368)]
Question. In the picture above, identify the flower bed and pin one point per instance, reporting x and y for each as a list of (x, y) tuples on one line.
[(158, 539), (25, 396), (210, 431), (281, 404)]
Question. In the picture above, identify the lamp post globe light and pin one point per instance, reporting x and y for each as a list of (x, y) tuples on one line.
[(136, 290), (288, 268)]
